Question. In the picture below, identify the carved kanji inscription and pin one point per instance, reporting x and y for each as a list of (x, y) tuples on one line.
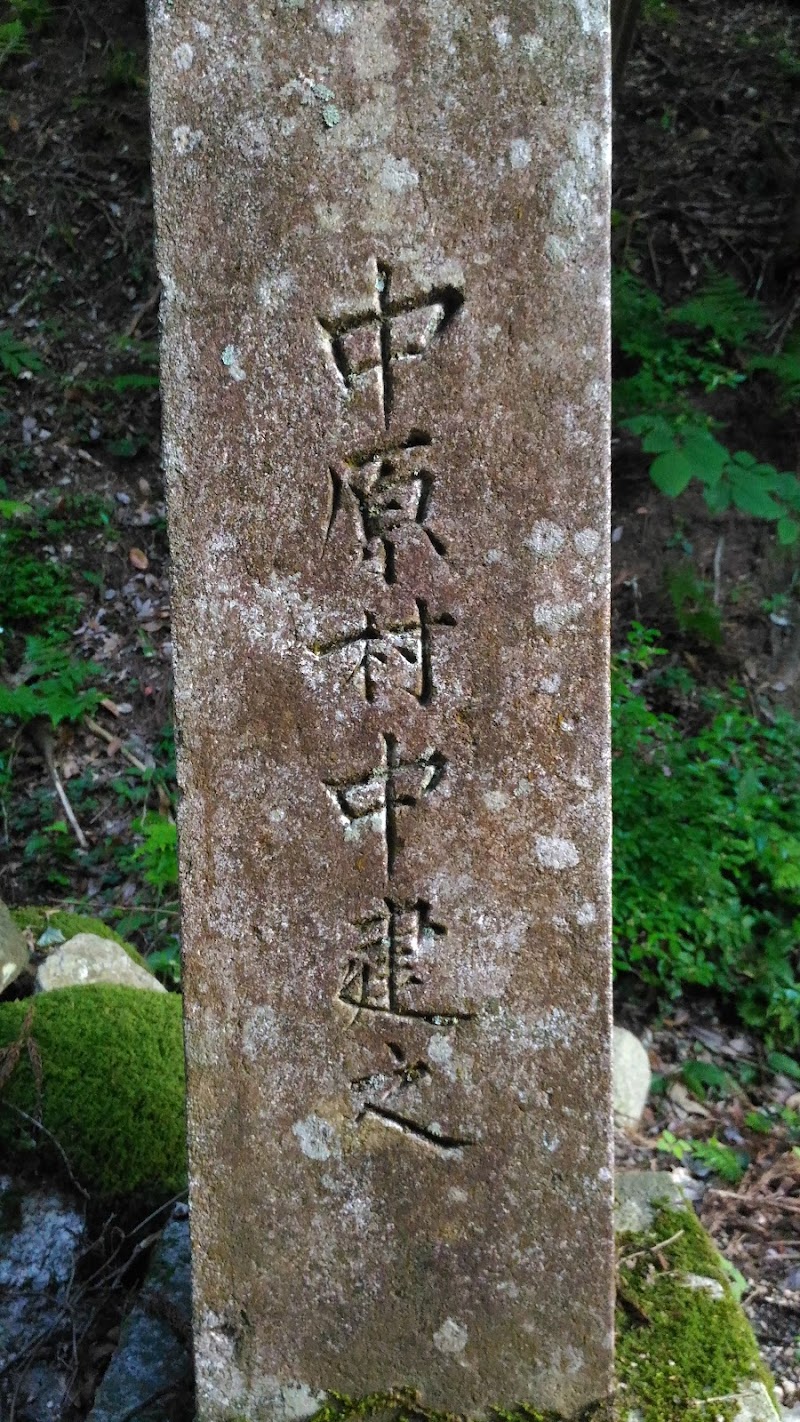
[(391, 489), (396, 655), (392, 329)]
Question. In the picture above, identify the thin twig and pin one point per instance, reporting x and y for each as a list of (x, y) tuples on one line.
[(148, 1402), (718, 552), (32, 1121), (652, 1248), (98, 730), (40, 735)]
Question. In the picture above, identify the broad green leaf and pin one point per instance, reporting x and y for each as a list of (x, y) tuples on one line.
[(787, 1066), (788, 531), (707, 455), (751, 497), (671, 472)]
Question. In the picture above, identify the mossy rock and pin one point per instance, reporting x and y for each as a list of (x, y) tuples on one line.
[(112, 1087), (682, 1336), (38, 919)]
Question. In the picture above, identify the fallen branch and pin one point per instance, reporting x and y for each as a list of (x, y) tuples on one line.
[(98, 730)]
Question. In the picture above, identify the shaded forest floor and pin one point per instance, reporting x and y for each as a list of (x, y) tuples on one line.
[(707, 163)]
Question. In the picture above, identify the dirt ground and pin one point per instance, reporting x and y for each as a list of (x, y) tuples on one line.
[(707, 162)]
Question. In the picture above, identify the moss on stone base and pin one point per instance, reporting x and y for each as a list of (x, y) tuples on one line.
[(112, 1087), (38, 919), (404, 1406), (684, 1346)]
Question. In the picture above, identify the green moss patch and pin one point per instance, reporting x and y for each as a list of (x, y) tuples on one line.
[(404, 1406), (38, 919), (110, 1088), (678, 1345)]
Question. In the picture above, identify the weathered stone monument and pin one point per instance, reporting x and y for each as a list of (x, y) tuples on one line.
[(382, 240)]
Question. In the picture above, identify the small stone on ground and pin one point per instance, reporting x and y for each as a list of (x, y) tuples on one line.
[(14, 955), (88, 958), (631, 1079)]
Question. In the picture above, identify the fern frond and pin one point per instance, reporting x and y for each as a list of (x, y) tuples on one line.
[(721, 307), (785, 368)]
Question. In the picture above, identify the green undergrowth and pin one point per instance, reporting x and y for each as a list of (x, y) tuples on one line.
[(706, 841), (68, 924), (672, 362), (680, 1351), (92, 1085), (403, 1405)]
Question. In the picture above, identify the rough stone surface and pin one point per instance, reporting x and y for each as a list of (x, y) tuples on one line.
[(153, 1363), (382, 235), (14, 954), (639, 1196), (87, 958), (754, 1404), (631, 1078), (41, 1232)]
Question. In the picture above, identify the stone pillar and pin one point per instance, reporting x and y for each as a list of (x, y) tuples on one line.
[(382, 236)]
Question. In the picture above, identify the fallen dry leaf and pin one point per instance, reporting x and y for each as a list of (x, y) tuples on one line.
[(139, 559), (683, 1098)]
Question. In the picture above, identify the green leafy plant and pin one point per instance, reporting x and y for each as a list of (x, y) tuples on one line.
[(157, 854), (704, 1077), (669, 355), (15, 356), (722, 1159), (706, 842), (737, 1283), (51, 684), (693, 601)]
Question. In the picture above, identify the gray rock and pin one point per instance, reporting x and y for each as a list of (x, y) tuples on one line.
[(631, 1079), (754, 1404), (41, 1232), (152, 1367), (88, 958), (14, 955), (704, 1281), (639, 1196)]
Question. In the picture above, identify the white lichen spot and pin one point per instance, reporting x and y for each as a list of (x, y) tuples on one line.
[(592, 17), (705, 1283), (316, 1136), (440, 1051), (550, 684), (259, 1031), (201, 29), (495, 800), (556, 250), (397, 176), (500, 30), (457, 1196), (183, 55), (531, 45), (586, 541), (286, 1402), (545, 539), (330, 116), (451, 1338), (520, 153), (272, 291), (185, 139), (554, 616), (555, 853), (336, 18), (494, 555), (586, 914), (604, 1174), (230, 359)]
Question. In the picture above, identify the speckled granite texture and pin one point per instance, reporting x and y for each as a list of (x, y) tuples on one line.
[(382, 234)]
